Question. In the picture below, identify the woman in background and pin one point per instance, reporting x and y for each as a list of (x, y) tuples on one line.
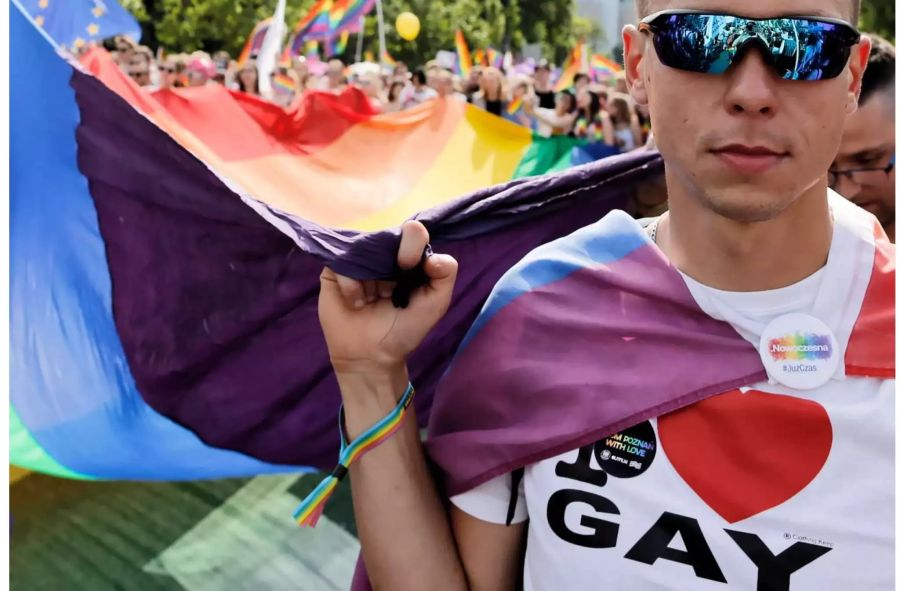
[(557, 121), (248, 78), (490, 95), (627, 126)]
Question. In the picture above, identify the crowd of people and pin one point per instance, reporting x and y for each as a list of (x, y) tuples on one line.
[(595, 112)]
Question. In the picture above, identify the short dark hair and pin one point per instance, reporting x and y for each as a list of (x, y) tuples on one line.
[(643, 9), (419, 76), (879, 74), (579, 76)]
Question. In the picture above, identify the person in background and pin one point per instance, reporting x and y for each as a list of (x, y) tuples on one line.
[(592, 123), (200, 69), (372, 86), (490, 95), (139, 68), (473, 83), (335, 81), (542, 87), (556, 121), (522, 92), (301, 67), (172, 72), (285, 86), (401, 72), (580, 81), (124, 51), (418, 92), (445, 88), (248, 78), (394, 95), (222, 61), (643, 114), (863, 170), (626, 126), (621, 86)]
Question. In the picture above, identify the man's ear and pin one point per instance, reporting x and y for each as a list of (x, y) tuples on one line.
[(859, 58), (635, 46)]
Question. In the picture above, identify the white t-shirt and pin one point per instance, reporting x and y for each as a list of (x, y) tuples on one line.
[(412, 96), (763, 488)]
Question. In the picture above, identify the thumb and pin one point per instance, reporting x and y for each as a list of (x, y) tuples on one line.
[(441, 270)]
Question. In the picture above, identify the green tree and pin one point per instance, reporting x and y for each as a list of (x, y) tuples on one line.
[(211, 25), (878, 17)]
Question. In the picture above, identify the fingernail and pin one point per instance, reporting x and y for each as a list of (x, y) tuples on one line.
[(358, 304), (385, 294)]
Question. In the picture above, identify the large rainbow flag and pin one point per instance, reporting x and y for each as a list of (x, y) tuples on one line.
[(164, 264)]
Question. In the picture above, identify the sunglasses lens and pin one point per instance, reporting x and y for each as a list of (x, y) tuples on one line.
[(798, 49)]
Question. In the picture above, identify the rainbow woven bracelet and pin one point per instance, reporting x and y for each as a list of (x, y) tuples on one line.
[(310, 509)]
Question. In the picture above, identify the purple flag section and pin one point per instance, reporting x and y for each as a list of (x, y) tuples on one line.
[(589, 335), (216, 307)]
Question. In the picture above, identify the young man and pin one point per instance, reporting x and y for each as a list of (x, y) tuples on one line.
[(863, 171), (785, 483)]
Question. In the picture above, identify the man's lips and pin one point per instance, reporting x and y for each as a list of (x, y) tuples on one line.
[(749, 159)]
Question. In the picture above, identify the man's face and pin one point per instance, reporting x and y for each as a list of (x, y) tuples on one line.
[(746, 144), (541, 76), (869, 143), (139, 71)]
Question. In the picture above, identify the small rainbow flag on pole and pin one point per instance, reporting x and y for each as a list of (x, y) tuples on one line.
[(603, 68), (494, 58), (387, 59), (514, 106), (283, 84), (463, 57), (570, 68), (254, 41)]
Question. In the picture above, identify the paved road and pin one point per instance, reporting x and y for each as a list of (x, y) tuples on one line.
[(224, 535)]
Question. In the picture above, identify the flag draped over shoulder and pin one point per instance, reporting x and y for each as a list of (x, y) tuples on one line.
[(164, 319)]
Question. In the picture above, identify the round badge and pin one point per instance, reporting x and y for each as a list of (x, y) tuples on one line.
[(629, 453), (799, 351)]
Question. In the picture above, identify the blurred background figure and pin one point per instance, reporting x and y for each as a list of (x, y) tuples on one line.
[(520, 93), (222, 62), (248, 78), (171, 74), (444, 86), (200, 69), (285, 86), (863, 170), (335, 81), (418, 92), (626, 125), (373, 87), (491, 95), (394, 96), (301, 67), (542, 87), (559, 120)]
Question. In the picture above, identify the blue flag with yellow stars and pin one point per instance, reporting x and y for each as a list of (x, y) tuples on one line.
[(74, 23)]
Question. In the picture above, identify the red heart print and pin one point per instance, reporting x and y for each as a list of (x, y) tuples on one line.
[(744, 453)]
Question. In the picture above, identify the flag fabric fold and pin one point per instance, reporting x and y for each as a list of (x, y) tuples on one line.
[(173, 332)]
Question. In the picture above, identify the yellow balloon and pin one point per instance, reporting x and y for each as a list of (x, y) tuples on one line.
[(408, 25)]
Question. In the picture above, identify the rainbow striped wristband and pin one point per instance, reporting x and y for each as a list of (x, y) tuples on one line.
[(310, 509)]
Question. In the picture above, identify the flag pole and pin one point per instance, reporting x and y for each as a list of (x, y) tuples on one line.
[(381, 43), (359, 38)]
